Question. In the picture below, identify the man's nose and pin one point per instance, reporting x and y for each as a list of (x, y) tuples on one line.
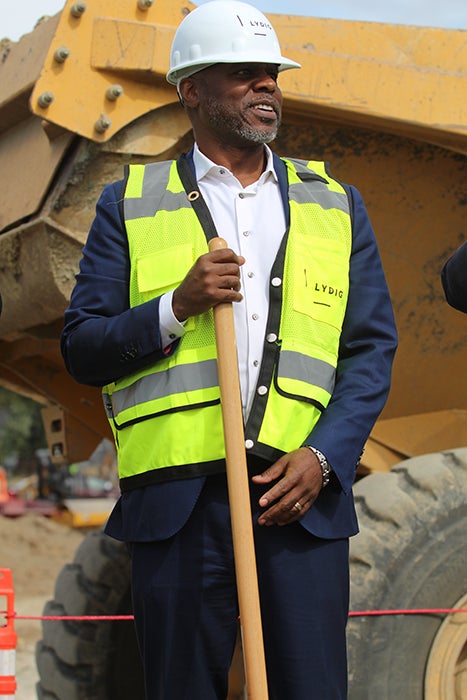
[(265, 83)]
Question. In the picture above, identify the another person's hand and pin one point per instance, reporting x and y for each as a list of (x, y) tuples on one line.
[(214, 278), (298, 480)]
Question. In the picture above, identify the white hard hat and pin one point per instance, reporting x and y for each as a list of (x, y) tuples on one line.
[(224, 31)]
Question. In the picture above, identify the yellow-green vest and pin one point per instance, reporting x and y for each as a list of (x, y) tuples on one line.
[(167, 419)]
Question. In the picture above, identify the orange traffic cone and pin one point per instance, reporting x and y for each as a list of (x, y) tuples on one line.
[(8, 637), (4, 495)]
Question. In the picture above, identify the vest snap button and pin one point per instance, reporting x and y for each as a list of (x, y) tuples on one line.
[(271, 337), (262, 390), (276, 281), (249, 444)]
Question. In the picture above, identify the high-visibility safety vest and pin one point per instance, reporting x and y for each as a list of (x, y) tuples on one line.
[(166, 418)]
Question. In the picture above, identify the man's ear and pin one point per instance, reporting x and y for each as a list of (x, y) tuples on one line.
[(188, 93)]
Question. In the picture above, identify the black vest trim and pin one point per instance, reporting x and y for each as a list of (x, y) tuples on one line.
[(199, 205)]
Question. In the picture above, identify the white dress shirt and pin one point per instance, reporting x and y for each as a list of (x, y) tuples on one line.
[(252, 222)]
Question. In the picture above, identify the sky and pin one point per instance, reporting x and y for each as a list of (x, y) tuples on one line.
[(18, 18)]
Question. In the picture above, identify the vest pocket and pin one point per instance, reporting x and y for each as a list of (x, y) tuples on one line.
[(321, 281), (162, 271)]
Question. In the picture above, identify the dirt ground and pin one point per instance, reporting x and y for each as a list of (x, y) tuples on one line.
[(35, 548)]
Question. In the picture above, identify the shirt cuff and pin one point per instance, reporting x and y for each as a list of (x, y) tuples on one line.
[(170, 327)]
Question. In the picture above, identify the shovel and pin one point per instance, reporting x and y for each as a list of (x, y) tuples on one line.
[(239, 499)]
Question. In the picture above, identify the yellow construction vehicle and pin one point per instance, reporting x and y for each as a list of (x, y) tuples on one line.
[(84, 94)]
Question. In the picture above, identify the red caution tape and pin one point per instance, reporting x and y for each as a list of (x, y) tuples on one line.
[(80, 618), (420, 611), (358, 613)]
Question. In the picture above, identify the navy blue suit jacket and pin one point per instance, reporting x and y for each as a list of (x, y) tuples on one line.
[(103, 339)]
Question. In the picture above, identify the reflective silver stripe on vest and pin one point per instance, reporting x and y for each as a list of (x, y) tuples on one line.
[(179, 379), (156, 177), (203, 375), (326, 199), (294, 365)]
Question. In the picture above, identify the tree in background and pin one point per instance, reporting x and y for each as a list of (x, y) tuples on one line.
[(21, 432)]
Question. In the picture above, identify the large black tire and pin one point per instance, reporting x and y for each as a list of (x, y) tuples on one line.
[(88, 660), (410, 554)]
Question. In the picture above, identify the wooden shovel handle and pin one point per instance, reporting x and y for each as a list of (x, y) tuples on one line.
[(239, 498)]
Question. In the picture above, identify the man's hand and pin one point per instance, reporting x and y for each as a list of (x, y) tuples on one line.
[(298, 478), (214, 278)]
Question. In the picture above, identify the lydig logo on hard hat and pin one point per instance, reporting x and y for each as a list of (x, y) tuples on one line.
[(257, 25)]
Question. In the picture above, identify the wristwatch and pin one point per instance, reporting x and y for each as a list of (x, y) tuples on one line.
[(324, 464)]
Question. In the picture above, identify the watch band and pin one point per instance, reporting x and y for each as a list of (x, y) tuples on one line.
[(323, 463)]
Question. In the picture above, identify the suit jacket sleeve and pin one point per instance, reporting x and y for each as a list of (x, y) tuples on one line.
[(367, 347), (103, 339), (454, 279)]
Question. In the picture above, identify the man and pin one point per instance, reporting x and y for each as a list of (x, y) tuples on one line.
[(454, 279), (315, 339)]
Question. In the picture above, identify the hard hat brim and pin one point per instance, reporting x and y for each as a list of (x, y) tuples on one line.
[(185, 70)]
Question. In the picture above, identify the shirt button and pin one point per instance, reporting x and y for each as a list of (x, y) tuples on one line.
[(249, 444), (255, 317), (246, 233), (262, 390), (251, 274), (221, 171), (255, 363), (172, 336), (276, 281), (241, 195), (271, 337)]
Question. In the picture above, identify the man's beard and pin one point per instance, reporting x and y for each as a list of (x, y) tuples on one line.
[(228, 122)]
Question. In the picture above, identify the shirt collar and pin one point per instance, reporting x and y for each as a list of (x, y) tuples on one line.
[(205, 166)]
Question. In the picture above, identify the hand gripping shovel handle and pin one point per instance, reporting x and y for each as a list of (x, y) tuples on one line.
[(239, 499)]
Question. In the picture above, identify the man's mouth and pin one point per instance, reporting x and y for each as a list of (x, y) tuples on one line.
[(266, 110)]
